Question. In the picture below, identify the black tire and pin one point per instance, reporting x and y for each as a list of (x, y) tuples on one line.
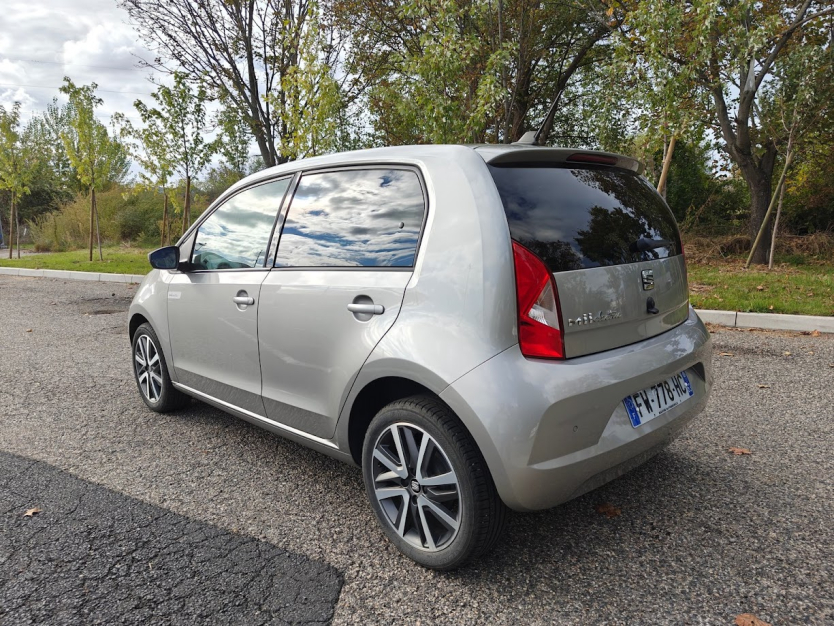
[(167, 397), (479, 512)]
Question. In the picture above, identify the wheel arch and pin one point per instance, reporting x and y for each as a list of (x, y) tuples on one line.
[(136, 320), (369, 401)]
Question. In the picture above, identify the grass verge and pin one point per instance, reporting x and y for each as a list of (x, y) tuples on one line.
[(119, 260), (806, 289), (793, 289)]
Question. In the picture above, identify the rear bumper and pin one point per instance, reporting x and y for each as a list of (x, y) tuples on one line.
[(552, 430)]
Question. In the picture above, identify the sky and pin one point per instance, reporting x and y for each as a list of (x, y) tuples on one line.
[(41, 41)]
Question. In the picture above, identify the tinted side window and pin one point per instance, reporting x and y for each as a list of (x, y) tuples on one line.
[(583, 217), (353, 218), (236, 235)]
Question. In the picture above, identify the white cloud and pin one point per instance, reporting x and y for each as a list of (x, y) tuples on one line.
[(89, 40), (41, 41)]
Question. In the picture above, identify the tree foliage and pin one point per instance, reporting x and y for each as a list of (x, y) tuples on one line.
[(729, 51), (17, 164), (178, 130), (96, 157)]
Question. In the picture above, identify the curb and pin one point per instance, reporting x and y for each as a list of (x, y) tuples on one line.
[(68, 275), (769, 321), (732, 319)]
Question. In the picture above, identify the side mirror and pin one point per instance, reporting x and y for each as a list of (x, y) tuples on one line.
[(167, 258)]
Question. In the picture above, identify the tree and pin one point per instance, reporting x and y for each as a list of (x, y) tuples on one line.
[(96, 157), (180, 124), (240, 50), (464, 70), (309, 102), (150, 147), (797, 103), (234, 139), (729, 50), (16, 166)]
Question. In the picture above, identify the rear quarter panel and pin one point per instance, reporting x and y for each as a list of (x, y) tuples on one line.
[(459, 308)]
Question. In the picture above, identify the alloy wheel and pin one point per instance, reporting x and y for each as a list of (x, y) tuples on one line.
[(148, 368), (416, 487)]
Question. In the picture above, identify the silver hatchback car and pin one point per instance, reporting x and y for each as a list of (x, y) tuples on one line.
[(476, 327)]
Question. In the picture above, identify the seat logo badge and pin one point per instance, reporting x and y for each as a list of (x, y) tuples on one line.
[(648, 279), (590, 318)]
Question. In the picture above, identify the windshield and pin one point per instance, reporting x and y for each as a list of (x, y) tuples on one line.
[(581, 217)]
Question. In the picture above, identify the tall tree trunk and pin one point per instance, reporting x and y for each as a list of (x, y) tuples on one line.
[(164, 218), (11, 227), (667, 161), (761, 190), (775, 227), (98, 233), (17, 228), (186, 211), (92, 217)]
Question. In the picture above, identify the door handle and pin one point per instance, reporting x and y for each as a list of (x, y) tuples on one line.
[(368, 309), (243, 300)]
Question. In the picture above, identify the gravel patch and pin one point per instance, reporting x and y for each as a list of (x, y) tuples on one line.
[(703, 534)]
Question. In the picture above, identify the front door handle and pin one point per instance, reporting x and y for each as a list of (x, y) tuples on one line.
[(368, 309), (243, 300)]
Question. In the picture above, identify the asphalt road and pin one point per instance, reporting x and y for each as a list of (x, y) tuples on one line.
[(703, 534)]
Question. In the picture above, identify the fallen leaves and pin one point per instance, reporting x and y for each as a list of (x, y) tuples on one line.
[(760, 288), (28, 330), (726, 354), (739, 451), (786, 353), (748, 619), (816, 333), (31, 512), (608, 510), (763, 386)]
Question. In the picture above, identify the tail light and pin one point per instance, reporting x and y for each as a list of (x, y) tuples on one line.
[(539, 328)]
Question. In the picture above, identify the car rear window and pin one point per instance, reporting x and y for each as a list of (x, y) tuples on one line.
[(575, 218)]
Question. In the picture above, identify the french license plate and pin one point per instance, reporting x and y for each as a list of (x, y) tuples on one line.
[(658, 399)]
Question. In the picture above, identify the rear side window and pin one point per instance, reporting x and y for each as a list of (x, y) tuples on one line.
[(577, 218), (353, 218)]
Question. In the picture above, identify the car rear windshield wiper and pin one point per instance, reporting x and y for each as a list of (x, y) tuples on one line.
[(644, 244)]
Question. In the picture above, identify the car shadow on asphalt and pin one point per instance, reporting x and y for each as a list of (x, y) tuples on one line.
[(76, 552)]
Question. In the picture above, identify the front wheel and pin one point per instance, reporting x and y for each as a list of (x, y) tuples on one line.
[(151, 373), (429, 485)]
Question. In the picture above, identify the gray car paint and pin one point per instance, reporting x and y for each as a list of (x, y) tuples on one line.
[(456, 335), (215, 341), (312, 347), (619, 288)]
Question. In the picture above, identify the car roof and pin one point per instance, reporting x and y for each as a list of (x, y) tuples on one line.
[(490, 153)]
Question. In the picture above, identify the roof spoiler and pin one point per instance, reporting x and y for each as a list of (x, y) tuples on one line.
[(519, 152)]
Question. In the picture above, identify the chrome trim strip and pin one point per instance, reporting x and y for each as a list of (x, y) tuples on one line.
[(255, 416)]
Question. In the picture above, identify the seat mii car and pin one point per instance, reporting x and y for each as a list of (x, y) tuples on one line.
[(479, 328)]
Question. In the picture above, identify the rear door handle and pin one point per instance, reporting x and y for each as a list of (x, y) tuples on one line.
[(369, 309), (243, 300)]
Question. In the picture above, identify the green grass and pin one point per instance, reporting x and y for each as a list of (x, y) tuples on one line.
[(803, 289), (116, 261), (806, 289)]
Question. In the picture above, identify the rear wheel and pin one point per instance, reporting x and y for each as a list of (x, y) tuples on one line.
[(151, 373), (429, 485)]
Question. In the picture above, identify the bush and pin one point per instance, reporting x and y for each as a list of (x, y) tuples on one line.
[(124, 215)]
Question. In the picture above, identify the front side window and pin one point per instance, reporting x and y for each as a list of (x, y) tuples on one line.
[(353, 218), (237, 234)]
